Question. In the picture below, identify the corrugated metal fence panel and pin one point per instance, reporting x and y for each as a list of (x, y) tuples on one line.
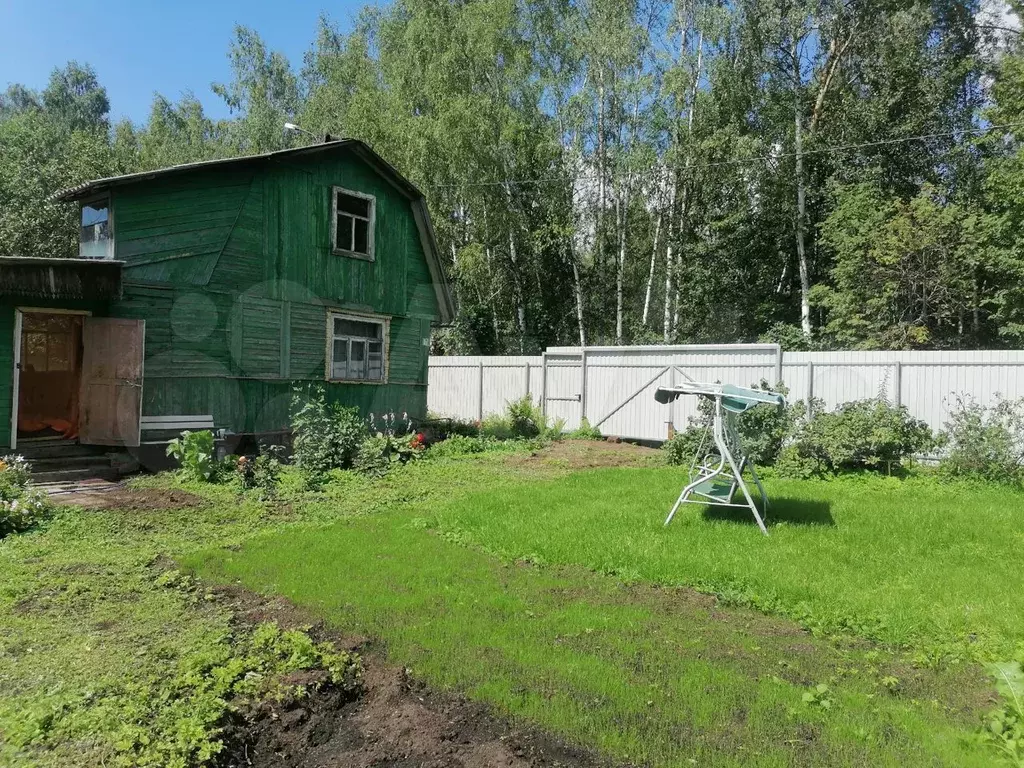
[(928, 383), (620, 381), (455, 384)]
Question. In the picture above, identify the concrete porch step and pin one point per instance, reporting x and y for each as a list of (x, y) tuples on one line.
[(71, 461), (101, 472), (47, 449)]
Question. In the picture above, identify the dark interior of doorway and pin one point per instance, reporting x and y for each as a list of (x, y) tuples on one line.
[(51, 372)]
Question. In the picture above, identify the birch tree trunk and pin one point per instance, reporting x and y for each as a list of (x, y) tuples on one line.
[(621, 215), (669, 264), (650, 273), (801, 198)]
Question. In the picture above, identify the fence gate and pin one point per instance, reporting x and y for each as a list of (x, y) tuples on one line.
[(563, 396)]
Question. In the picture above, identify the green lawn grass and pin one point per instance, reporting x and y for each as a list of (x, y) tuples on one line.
[(96, 639), (915, 562), (649, 674)]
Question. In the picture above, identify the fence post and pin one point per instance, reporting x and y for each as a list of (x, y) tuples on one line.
[(778, 365), (544, 383), (810, 385), (672, 404), (897, 383), (526, 366), (480, 393), (583, 384)]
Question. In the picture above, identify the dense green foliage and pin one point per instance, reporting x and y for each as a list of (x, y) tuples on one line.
[(985, 443), (324, 437), (194, 453), (864, 434), (822, 172)]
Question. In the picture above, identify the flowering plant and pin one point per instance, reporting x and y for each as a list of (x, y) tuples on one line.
[(21, 505)]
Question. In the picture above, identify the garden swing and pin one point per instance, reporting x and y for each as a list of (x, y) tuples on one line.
[(716, 472)]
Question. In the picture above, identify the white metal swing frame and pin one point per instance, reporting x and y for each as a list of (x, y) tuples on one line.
[(716, 475)]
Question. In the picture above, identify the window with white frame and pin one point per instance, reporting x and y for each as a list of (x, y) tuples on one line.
[(352, 223), (357, 347), (95, 239)]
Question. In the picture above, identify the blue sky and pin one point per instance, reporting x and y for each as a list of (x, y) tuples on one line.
[(144, 47)]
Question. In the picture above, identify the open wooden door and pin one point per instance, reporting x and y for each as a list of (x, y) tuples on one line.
[(111, 399)]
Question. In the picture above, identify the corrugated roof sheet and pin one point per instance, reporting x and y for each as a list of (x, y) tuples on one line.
[(60, 278), (361, 148)]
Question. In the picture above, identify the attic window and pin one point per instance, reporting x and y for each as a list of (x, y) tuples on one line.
[(357, 347), (95, 235), (352, 223)]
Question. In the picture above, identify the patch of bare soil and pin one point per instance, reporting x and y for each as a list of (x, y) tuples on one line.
[(589, 454), (131, 499), (392, 721)]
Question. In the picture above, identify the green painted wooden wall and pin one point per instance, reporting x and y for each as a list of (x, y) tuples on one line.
[(233, 273)]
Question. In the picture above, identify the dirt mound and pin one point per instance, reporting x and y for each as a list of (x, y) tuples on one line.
[(392, 721), (590, 454), (130, 499)]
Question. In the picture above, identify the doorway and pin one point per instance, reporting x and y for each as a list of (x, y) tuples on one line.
[(49, 375)]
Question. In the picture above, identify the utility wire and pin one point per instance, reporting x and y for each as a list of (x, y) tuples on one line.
[(741, 161)]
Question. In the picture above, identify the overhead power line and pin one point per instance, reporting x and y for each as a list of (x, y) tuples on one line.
[(835, 149)]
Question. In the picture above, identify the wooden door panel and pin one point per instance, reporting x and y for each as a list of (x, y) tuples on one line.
[(112, 367)]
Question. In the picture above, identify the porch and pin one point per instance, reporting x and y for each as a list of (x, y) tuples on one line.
[(75, 373)]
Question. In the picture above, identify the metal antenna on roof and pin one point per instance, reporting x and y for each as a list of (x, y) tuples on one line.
[(297, 129), (327, 136)]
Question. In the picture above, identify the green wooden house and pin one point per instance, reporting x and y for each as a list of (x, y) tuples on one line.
[(215, 288)]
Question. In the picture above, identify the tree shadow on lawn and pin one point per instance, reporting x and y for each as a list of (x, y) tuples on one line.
[(780, 510)]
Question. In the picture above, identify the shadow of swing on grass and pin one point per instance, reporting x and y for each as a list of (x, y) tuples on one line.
[(780, 510)]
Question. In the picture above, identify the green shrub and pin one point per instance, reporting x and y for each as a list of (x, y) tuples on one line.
[(194, 453), (792, 463), (554, 430), (525, 418), (324, 437), (985, 443), (765, 428), (261, 473), (585, 432), (682, 446), (459, 445), (497, 427), (21, 505), (862, 434), (378, 453)]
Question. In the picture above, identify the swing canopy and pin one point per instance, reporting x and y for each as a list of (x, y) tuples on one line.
[(734, 399)]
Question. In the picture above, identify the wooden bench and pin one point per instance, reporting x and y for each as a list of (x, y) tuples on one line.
[(162, 429)]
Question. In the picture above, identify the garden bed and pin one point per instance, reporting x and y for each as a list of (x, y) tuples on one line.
[(391, 720)]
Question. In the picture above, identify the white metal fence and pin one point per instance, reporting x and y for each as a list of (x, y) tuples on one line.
[(613, 387)]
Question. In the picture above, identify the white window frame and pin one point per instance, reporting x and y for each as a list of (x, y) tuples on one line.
[(371, 222), (107, 198), (382, 320)]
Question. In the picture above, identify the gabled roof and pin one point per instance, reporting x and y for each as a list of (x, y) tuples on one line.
[(360, 148)]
